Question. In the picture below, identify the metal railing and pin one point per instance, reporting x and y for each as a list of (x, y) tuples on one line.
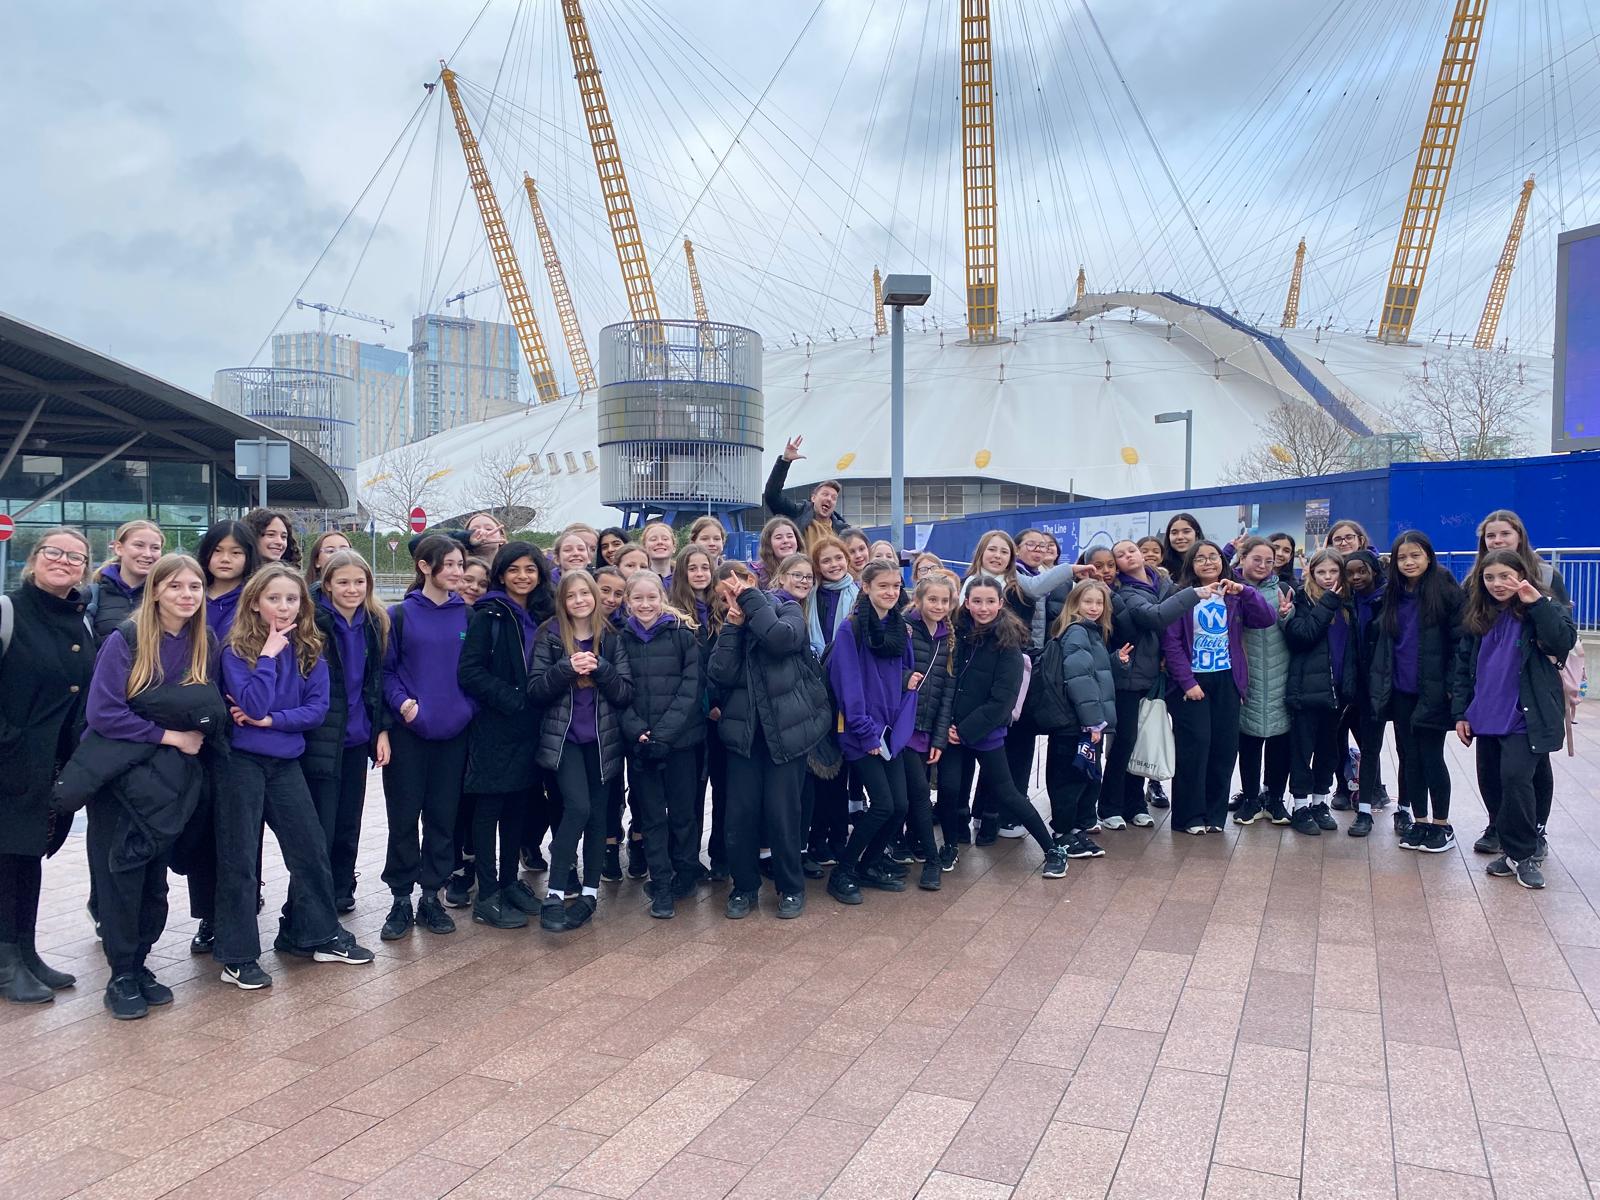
[(1580, 571)]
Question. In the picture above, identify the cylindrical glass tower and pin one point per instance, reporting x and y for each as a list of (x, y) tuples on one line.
[(315, 408)]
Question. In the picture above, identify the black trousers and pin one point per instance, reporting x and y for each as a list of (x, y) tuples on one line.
[(885, 784), (1011, 802), (422, 782), (1074, 797), (340, 803), (583, 814), (463, 845), (1121, 794), (543, 812), (1355, 725), (1205, 734), (1507, 767), (194, 856), (662, 798), (764, 810), (1273, 752), (21, 876), (1423, 773), (714, 770), (830, 817), (131, 902), (616, 800), (919, 803), (1315, 751), (496, 861), (1021, 742), (259, 790)]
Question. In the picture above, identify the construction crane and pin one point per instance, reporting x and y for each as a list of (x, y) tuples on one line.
[(460, 297), (624, 223), (878, 322), (322, 311), (1431, 175), (1083, 284), (977, 171), (700, 312), (1502, 274), (582, 368), (505, 255), (1291, 306)]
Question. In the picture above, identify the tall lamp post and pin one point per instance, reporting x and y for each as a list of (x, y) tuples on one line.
[(900, 292), (1187, 417)]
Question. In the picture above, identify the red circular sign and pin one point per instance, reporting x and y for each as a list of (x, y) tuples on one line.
[(7, 528), (419, 520)]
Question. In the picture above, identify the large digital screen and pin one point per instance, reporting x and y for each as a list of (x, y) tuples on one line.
[(1577, 374)]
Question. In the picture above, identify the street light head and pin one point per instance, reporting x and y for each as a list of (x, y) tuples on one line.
[(1168, 418), (906, 291)]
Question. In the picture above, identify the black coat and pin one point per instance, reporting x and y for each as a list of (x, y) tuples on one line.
[(1436, 647), (763, 671), (44, 681), (1539, 691), (1316, 682), (937, 696), (550, 683), (325, 744), (1137, 619), (801, 512), (503, 736), (110, 606), (988, 677), (667, 688), (1090, 688)]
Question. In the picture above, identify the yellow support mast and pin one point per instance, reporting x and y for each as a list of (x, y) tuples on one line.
[(977, 172), (1291, 306), (878, 321), (624, 223), (505, 255), (1431, 175), (1083, 284), (700, 313), (1492, 307), (582, 368)]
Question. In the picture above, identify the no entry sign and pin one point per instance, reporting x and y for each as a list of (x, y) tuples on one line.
[(7, 528), (419, 520)]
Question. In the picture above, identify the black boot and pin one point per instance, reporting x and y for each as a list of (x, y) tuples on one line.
[(53, 979), (17, 983)]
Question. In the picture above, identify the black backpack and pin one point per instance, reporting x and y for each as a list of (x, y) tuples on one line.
[(1046, 704)]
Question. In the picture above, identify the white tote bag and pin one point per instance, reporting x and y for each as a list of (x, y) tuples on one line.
[(1153, 751)]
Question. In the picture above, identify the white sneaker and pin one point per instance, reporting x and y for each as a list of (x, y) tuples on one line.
[(1143, 820), (1012, 831), (1196, 830), (1113, 823)]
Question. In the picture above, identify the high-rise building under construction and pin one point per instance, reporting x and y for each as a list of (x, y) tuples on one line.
[(381, 378), (462, 370)]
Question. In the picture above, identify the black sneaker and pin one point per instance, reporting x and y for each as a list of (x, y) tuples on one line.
[(738, 906), (496, 912), (842, 887), (246, 976), (1156, 795), (1236, 802), (1488, 842), (1055, 863), (902, 853), (1501, 868), (612, 871), (949, 856), (1245, 810), (282, 945), (203, 940), (718, 872), (1541, 849), (1302, 821), (1276, 812), (1323, 818), (661, 905), (1382, 799), (1415, 834), (125, 999), (344, 904), (637, 867), (1529, 875), (1403, 823), (932, 878), (553, 915), (533, 862), (519, 896), (988, 831), (1078, 846), (891, 868), (790, 907), (344, 949), (155, 992), (458, 889), (822, 856), (1010, 829), (1341, 802), (432, 916), (580, 910), (1361, 826), (1437, 838), (399, 921), (880, 877), (811, 868)]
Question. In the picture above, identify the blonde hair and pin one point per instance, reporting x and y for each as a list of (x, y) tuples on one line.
[(650, 579), (124, 530), (58, 531), (1075, 598), (376, 613), (571, 580), (250, 631), (671, 532), (147, 631)]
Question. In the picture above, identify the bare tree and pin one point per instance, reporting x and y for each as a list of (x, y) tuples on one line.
[(407, 478), (509, 485), (1298, 440), (1468, 405)]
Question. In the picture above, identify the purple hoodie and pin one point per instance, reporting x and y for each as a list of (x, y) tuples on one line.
[(219, 612), (1249, 609), (107, 710), (420, 664), (112, 574), (872, 694), (351, 637), (1407, 640), (274, 687)]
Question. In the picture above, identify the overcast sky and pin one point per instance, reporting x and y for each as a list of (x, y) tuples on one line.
[(176, 170)]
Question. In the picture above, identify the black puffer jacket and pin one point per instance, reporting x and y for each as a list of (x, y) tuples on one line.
[(1090, 688), (763, 671), (988, 676), (325, 744), (666, 686), (1316, 683), (550, 683), (110, 604), (1138, 615), (1539, 690), (937, 696), (493, 671), (1436, 646)]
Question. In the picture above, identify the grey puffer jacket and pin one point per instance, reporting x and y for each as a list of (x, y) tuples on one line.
[(1265, 713), (1086, 663), (550, 683), (1139, 612)]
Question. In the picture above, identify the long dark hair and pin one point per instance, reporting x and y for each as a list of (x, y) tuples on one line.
[(1184, 576), (1170, 558), (1437, 591), (1481, 609), (433, 550), (259, 518), (542, 600), (239, 532)]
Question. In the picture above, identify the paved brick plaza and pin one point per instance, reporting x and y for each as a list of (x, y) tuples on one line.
[(1255, 1015)]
